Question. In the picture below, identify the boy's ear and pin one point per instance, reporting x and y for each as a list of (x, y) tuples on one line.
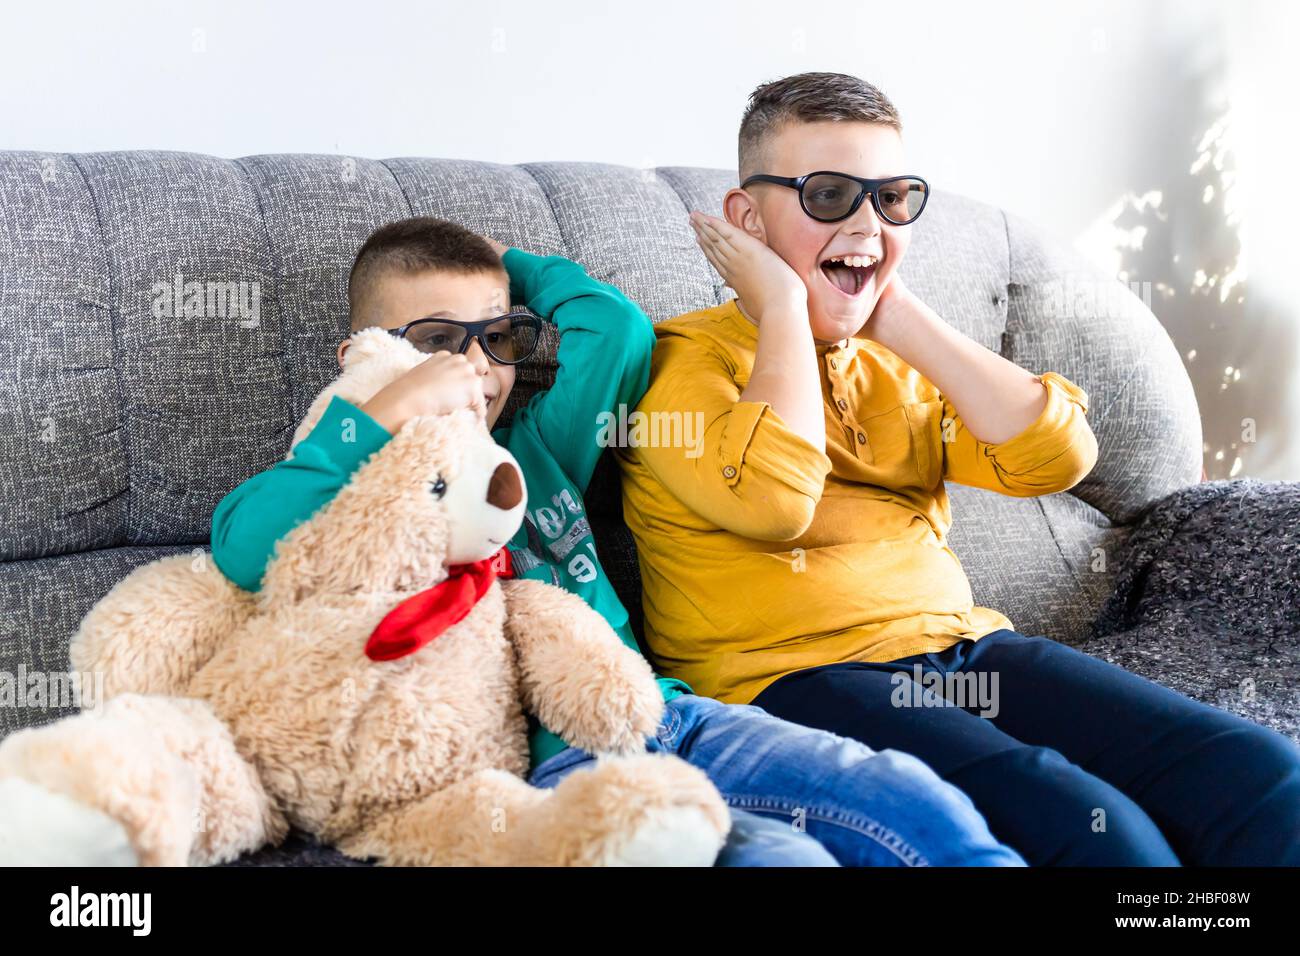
[(343, 347), (739, 209)]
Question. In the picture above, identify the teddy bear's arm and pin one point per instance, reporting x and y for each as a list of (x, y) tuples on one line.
[(154, 630), (577, 677)]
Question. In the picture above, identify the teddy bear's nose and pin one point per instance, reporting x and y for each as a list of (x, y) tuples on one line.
[(505, 490)]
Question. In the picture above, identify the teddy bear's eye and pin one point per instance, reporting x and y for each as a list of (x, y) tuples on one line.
[(438, 487)]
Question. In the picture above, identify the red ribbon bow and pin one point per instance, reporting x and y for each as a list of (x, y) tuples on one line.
[(423, 616)]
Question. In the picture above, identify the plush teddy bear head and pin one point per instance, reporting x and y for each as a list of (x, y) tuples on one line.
[(439, 494)]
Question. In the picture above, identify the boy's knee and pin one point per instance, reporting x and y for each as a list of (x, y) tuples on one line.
[(955, 832), (1055, 813)]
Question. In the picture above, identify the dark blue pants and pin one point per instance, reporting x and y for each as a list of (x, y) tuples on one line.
[(1071, 760)]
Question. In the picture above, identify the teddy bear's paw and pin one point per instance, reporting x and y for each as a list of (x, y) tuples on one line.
[(39, 827), (669, 836), (625, 711), (657, 810), (629, 738)]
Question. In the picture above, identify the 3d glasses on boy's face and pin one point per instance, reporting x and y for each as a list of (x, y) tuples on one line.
[(506, 339)]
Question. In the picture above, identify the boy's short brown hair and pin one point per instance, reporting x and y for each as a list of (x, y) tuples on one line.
[(415, 245), (808, 98)]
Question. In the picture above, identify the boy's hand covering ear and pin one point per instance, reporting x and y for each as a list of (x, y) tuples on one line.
[(762, 280)]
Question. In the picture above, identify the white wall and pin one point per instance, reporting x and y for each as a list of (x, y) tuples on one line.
[(1056, 111)]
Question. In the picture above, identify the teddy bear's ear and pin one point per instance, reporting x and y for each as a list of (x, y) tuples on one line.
[(372, 360)]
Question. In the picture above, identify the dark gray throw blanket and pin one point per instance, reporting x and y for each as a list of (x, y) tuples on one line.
[(1207, 599)]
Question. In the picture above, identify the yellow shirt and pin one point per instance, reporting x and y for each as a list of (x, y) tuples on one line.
[(762, 554)]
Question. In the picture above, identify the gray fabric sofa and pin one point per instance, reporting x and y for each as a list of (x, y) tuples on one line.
[(125, 419)]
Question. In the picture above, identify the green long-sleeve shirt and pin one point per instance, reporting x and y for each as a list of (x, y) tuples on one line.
[(604, 362)]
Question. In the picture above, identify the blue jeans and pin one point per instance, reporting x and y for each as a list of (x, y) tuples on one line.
[(1073, 761), (803, 797)]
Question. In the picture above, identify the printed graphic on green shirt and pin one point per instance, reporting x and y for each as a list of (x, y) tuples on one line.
[(562, 533)]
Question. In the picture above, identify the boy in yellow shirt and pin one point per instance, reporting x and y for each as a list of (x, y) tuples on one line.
[(796, 557)]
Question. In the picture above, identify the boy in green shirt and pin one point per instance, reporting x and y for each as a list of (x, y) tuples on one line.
[(448, 292)]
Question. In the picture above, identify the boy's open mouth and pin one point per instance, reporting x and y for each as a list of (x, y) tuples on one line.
[(849, 274)]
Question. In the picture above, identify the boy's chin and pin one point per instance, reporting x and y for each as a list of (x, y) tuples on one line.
[(842, 321)]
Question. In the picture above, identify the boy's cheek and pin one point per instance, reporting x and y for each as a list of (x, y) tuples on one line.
[(804, 256), (796, 239), (505, 376), (897, 246)]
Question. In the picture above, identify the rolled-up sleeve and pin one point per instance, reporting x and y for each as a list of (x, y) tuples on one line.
[(249, 521), (1053, 453), (743, 468)]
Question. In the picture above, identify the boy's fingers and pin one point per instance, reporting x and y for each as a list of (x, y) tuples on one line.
[(707, 245), (716, 249), (716, 256), (705, 225), (725, 230), (702, 233), (720, 267), (721, 225), (720, 239), (709, 227), (711, 235)]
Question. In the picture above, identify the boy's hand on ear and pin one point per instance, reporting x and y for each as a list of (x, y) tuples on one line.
[(762, 280), (440, 384), (785, 373), (897, 303)]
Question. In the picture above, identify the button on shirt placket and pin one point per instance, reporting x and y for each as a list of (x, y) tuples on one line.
[(835, 363)]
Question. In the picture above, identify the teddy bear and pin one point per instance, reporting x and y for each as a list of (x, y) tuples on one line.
[(373, 693)]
